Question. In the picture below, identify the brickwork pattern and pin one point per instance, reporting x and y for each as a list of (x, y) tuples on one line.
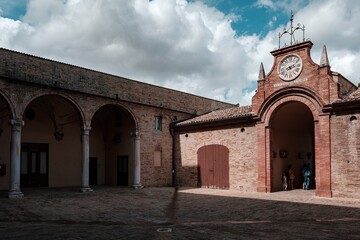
[(345, 155), (24, 78), (241, 142), (40, 71)]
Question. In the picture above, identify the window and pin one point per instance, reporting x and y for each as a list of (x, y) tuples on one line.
[(158, 123)]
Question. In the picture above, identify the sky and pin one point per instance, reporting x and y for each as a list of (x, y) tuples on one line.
[(211, 48)]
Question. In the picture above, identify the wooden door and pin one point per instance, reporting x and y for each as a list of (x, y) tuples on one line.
[(34, 165), (213, 166), (122, 170), (93, 171)]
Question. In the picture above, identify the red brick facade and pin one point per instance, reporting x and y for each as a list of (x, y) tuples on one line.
[(267, 145), (312, 119), (58, 92)]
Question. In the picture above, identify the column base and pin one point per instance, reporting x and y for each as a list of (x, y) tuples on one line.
[(262, 189), (14, 195), (86, 189), (323, 193), (137, 186)]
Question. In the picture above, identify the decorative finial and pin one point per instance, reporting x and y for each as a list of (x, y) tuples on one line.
[(324, 61), (291, 30), (261, 72)]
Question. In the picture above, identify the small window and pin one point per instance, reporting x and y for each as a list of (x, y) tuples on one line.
[(353, 119), (157, 159), (158, 123)]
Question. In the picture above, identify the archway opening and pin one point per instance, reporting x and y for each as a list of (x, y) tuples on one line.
[(5, 136), (112, 147), (51, 143), (291, 144)]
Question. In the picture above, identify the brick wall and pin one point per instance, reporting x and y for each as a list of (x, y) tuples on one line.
[(327, 85), (345, 155), (23, 67), (24, 78), (242, 155)]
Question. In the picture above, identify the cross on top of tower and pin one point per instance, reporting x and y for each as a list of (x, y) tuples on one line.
[(291, 30)]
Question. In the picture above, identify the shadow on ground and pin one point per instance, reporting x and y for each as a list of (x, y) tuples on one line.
[(171, 213)]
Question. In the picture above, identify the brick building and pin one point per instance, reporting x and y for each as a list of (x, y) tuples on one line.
[(71, 126), (302, 113)]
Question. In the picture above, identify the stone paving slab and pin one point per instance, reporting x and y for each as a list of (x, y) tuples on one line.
[(181, 213)]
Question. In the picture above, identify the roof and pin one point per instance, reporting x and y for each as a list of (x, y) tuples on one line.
[(354, 96), (219, 115)]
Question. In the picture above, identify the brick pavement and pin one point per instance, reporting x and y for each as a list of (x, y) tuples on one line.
[(185, 213)]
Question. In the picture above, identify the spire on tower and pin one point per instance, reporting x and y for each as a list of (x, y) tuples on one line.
[(261, 72), (324, 61)]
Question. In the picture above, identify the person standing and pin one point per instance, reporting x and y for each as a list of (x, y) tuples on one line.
[(291, 177), (306, 173)]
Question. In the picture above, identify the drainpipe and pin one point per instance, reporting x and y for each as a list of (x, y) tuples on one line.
[(173, 170)]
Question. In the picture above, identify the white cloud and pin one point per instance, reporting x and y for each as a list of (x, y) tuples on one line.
[(285, 5), (186, 46), (266, 4), (334, 23)]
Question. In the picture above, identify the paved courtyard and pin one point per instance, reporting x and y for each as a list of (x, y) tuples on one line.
[(183, 213)]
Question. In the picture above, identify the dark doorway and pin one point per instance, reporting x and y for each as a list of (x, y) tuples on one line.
[(93, 171), (291, 143), (34, 165), (213, 164), (123, 170)]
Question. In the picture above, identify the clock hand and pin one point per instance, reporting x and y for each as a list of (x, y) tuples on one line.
[(290, 67)]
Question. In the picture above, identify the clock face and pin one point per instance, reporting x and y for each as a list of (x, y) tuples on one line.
[(290, 67)]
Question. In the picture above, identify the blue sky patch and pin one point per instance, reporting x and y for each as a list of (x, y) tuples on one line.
[(14, 9)]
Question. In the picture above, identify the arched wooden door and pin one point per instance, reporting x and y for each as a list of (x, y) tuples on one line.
[(213, 166)]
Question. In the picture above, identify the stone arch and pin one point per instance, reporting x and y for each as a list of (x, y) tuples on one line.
[(51, 141), (7, 115), (321, 137), (304, 95), (135, 119), (65, 97), (9, 103), (114, 128)]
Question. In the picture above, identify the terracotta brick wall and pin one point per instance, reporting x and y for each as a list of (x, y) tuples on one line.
[(242, 147), (24, 78), (23, 67), (345, 155)]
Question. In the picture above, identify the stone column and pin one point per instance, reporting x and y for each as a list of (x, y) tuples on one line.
[(15, 148), (85, 159), (137, 163)]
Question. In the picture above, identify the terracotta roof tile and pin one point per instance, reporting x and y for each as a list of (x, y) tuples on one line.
[(218, 115), (354, 96)]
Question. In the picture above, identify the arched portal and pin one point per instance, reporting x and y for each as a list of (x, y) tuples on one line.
[(112, 152), (291, 143), (51, 143), (5, 139)]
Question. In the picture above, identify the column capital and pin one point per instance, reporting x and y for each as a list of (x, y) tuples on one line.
[(16, 123), (85, 129), (135, 134)]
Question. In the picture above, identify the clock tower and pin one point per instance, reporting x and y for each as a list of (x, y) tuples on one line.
[(291, 102)]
